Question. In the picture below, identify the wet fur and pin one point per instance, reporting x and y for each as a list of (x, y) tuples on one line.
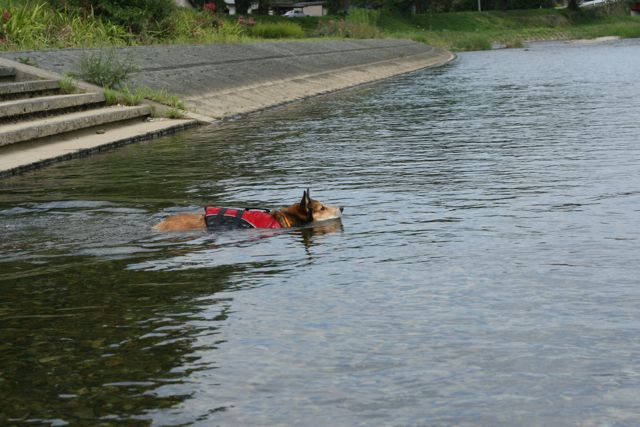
[(299, 214)]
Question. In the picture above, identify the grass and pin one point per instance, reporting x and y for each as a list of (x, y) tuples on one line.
[(36, 25), (68, 85), (131, 97), (476, 31), (112, 97), (162, 96), (174, 113), (277, 30)]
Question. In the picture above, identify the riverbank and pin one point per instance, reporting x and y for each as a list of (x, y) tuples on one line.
[(223, 80), (471, 31), (217, 81), (39, 26)]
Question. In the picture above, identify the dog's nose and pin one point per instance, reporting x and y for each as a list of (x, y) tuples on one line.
[(341, 209)]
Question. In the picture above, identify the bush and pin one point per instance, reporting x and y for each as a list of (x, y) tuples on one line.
[(277, 30), (106, 70), (139, 16), (36, 25)]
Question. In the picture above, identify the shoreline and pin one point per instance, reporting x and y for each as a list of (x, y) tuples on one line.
[(218, 82)]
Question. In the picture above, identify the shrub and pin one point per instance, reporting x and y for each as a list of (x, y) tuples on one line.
[(139, 16), (107, 70), (277, 30), (36, 25)]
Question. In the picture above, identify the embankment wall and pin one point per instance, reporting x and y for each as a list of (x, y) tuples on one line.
[(223, 80)]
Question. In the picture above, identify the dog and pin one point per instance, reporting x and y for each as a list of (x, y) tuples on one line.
[(306, 212)]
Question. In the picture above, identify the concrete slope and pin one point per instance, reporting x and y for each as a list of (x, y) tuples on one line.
[(223, 80)]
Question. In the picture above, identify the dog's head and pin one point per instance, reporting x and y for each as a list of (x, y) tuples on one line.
[(316, 211)]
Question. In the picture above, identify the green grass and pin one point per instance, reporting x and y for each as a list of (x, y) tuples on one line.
[(68, 85), (111, 96), (277, 30), (162, 96), (461, 31), (131, 97), (36, 25), (175, 113)]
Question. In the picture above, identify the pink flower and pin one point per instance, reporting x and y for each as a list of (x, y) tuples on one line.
[(6, 15)]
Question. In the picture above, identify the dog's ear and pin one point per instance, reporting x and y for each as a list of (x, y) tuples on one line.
[(305, 206)]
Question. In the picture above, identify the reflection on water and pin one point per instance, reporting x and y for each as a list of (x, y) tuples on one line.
[(484, 271)]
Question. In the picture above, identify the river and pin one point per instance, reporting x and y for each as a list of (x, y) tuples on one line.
[(485, 271)]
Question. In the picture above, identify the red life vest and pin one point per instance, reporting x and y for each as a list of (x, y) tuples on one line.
[(218, 218)]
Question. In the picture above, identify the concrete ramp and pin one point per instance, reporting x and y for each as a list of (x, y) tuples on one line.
[(40, 125), (223, 80)]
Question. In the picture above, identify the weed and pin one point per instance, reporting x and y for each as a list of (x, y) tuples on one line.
[(106, 69), (111, 96), (131, 97), (347, 29), (162, 96), (27, 61), (277, 30), (174, 113), (37, 25), (68, 85)]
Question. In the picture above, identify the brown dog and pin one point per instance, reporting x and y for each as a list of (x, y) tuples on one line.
[(299, 214)]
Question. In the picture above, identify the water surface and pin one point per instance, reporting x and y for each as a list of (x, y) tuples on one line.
[(485, 272)]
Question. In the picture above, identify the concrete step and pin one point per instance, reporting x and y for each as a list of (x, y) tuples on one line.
[(7, 74), (19, 158), (28, 89), (16, 109), (40, 128)]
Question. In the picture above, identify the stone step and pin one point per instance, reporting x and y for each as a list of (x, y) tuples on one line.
[(40, 128), (19, 158), (7, 74), (48, 104), (28, 89)]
